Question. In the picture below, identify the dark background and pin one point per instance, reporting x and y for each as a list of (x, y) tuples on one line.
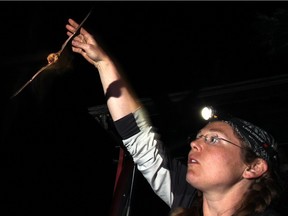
[(59, 150)]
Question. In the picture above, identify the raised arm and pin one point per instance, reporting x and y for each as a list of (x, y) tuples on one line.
[(138, 135), (120, 98)]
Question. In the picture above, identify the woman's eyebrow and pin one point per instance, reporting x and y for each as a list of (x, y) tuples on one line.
[(219, 131)]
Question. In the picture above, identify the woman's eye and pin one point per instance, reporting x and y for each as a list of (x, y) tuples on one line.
[(214, 139)]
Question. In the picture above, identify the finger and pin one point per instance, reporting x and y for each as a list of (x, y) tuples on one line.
[(69, 33), (77, 50), (70, 28), (79, 38), (73, 23), (78, 44), (84, 32)]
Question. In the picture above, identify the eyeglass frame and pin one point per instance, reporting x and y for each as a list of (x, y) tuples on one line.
[(190, 139)]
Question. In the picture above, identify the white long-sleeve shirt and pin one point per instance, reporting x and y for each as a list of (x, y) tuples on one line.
[(166, 176)]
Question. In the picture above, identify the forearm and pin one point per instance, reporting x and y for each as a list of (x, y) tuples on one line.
[(121, 100)]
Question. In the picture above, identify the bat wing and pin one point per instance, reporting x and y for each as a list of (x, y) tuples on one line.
[(54, 57)]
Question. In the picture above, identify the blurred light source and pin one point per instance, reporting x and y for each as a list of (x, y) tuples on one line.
[(208, 112)]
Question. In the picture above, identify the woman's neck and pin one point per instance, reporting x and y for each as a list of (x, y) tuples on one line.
[(223, 204)]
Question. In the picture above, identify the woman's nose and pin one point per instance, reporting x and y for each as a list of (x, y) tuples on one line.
[(195, 144)]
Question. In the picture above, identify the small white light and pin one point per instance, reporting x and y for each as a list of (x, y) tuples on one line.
[(207, 113)]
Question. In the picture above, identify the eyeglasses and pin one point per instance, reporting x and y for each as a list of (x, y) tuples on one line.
[(212, 139)]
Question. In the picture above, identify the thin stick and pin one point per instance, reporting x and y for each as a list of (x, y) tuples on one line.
[(57, 54)]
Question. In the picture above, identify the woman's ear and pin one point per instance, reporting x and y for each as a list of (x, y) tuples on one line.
[(256, 169)]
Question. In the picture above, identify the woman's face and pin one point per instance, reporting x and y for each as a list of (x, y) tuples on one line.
[(213, 163)]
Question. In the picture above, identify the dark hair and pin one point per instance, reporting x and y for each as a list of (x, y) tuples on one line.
[(262, 192)]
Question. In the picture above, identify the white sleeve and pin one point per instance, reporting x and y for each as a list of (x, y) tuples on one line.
[(149, 155)]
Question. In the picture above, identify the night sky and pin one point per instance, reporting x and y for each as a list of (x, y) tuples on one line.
[(57, 157)]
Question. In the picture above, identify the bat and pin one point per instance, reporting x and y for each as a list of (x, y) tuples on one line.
[(53, 57)]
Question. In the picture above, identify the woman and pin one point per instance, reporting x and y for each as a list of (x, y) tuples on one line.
[(230, 169)]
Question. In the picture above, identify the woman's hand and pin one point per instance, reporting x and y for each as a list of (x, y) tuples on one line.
[(85, 44)]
